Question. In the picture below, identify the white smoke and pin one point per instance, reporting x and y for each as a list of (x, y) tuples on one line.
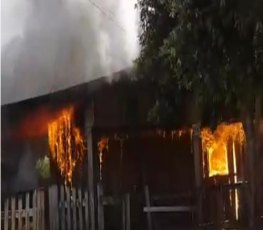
[(49, 45)]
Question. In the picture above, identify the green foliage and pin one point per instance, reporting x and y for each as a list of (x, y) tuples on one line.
[(43, 167), (212, 48)]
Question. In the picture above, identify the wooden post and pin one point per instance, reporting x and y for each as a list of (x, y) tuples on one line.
[(100, 207), (74, 211), (20, 211), (89, 125), (128, 211), (250, 175), (258, 112), (123, 209), (68, 208), (198, 171), (13, 213), (53, 207), (148, 204), (80, 209), (220, 206), (43, 209), (62, 207), (86, 209), (6, 214)]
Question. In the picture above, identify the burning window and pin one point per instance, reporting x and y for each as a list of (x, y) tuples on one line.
[(215, 145), (66, 143)]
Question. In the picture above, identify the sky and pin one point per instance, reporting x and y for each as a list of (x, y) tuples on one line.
[(48, 45)]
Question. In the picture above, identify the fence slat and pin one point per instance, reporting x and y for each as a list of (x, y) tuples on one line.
[(53, 208), (38, 209), (100, 207), (74, 208), (27, 226), (6, 214), (80, 209), (68, 208), (123, 213), (20, 210), (86, 205), (55, 201), (43, 209), (62, 207), (34, 209), (51, 220), (128, 210), (13, 213)]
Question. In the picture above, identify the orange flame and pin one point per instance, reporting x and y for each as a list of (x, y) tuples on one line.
[(215, 146), (102, 145), (66, 143)]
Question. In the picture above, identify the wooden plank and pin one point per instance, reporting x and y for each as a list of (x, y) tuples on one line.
[(51, 220), (53, 207), (20, 210), (34, 209), (27, 223), (250, 170), (86, 208), (74, 208), (169, 209), (123, 213), (6, 214), (13, 213), (100, 207), (56, 208), (43, 208), (38, 211), (148, 204), (128, 214), (198, 171), (88, 129), (258, 164), (220, 208), (80, 209), (68, 208), (62, 207)]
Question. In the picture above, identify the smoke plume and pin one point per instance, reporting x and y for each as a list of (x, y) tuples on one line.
[(54, 44)]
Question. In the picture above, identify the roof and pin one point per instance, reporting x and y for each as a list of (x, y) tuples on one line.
[(119, 100)]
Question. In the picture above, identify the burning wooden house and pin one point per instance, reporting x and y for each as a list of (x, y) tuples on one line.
[(97, 136)]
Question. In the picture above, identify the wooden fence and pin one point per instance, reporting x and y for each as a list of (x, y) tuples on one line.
[(68, 208), (25, 211)]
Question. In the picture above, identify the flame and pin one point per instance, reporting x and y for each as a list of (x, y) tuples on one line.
[(102, 145), (66, 143), (215, 146)]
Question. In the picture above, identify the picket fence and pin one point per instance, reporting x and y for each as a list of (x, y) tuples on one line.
[(24, 211), (68, 208)]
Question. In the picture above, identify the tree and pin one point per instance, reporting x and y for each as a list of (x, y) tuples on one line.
[(211, 49)]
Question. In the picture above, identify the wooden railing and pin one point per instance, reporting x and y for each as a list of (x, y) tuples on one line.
[(25, 211)]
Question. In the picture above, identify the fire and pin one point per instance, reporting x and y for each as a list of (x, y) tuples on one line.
[(102, 145), (215, 145), (66, 143)]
